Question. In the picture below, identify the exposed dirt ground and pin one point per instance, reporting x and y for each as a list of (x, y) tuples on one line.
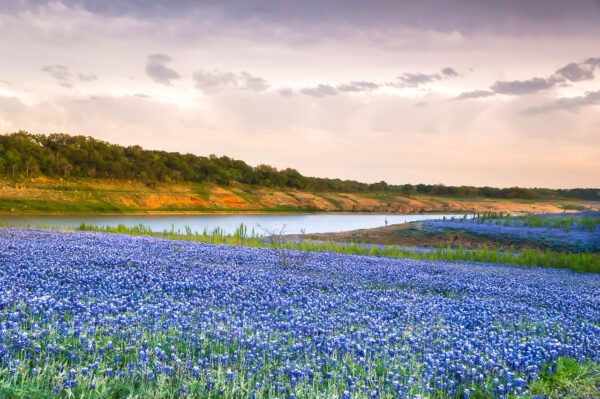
[(99, 196)]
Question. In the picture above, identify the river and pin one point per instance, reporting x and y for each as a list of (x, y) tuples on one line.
[(261, 223)]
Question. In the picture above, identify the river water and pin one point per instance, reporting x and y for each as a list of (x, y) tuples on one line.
[(261, 223)]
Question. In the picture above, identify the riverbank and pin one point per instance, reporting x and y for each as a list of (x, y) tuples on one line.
[(97, 196), (415, 234)]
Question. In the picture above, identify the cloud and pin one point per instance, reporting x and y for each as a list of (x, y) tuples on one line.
[(468, 95), (595, 62), (215, 80), (576, 72), (61, 73), (253, 82), (156, 69), (571, 104), (522, 19), (87, 78), (522, 86), (357, 86), (572, 72), (449, 72), (211, 81), (418, 79), (320, 91), (286, 92)]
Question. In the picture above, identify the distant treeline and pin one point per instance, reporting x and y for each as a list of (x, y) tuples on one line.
[(25, 155)]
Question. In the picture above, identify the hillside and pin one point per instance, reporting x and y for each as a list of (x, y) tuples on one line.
[(42, 195), (25, 156)]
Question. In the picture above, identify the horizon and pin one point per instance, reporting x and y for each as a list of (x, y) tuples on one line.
[(460, 93)]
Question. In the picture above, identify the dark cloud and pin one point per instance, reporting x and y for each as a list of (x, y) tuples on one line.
[(517, 87), (573, 72), (357, 86), (449, 72), (576, 72), (468, 95), (571, 104), (156, 69), (286, 92), (61, 73), (253, 82), (466, 17), (319, 91), (595, 62), (87, 78)]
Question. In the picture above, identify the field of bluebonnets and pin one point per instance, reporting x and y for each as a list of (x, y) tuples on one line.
[(573, 232), (87, 314)]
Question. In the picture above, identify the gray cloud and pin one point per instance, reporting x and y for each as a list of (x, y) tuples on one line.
[(573, 72), (156, 69), (319, 91), (571, 104), (357, 86), (87, 78), (286, 92), (522, 86), (473, 94), (253, 82), (464, 17), (576, 72), (595, 62), (449, 72), (417, 79), (61, 73)]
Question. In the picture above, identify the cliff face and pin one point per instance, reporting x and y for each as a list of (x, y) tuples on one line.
[(97, 196)]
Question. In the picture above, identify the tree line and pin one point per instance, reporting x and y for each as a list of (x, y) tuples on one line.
[(25, 155)]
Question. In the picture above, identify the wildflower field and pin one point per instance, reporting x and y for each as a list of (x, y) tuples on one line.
[(98, 315), (573, 232)]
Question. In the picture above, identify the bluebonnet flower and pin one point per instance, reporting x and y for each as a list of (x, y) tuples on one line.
[(377, 327)]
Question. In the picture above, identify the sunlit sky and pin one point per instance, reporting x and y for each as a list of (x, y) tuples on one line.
[(456, 92)]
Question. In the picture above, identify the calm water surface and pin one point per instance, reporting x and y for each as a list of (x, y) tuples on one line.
[(292, 223)]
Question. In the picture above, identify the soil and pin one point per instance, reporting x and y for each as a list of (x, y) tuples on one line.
[(109, 196)]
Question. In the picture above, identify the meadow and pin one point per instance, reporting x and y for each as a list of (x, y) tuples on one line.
[(574, 232), (96, 315)]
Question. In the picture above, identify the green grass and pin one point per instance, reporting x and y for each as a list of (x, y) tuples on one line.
[(8, 205), (571, 380)]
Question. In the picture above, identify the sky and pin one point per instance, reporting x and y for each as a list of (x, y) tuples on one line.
[(455, 92)]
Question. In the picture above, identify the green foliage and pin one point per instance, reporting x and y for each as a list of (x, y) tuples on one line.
[(25, 155)]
